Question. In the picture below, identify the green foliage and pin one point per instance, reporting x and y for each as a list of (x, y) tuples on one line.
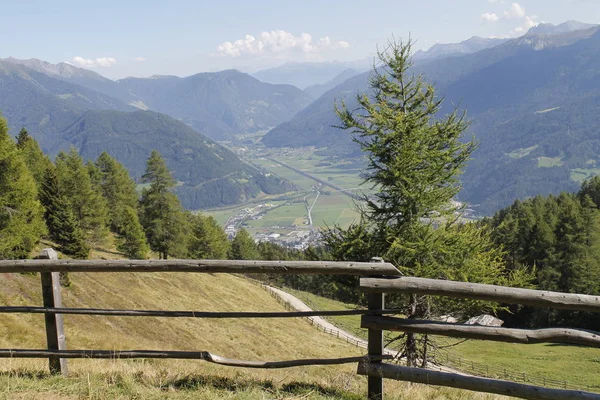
[(34, 157), (207, 239), (243, 247), (558, 237), (63, 226), (161, 213), (87, 203), (21, 214), (414, 160), (132, 240)]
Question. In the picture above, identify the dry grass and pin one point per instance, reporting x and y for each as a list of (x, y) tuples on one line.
[(248, 339)]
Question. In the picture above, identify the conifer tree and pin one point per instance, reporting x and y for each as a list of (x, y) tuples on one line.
[(243, 247), (161, 213), (87, 203), (21, 214), (63, 226), (207, 239), (132, 240), (119, 191), (34, 157), (414, 159)]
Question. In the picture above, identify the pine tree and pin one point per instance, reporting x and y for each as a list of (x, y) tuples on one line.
[(207, 239), (243, 247), (87, 203), (63, 226), (119, 191), (21, 214), (132, 241), (414, 160), (34, 157), (161, 213)]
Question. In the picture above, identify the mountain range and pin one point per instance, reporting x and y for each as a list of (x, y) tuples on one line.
[(533, 102), (61, 113)]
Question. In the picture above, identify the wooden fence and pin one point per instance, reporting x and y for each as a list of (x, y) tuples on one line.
[(376, 369), (50, 268), (377, 278)]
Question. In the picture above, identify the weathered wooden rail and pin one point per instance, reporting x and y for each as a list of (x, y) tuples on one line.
[(378, 370)]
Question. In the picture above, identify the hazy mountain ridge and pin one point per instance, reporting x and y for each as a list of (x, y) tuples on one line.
[(60, 114), (503, 86)]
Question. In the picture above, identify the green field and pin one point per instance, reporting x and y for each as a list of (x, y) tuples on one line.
[(581, 174), (549, 162), (577, 365), (334, 209), (284, 216)]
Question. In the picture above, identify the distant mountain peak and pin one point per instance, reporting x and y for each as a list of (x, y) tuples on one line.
[(62, 70), (468, 46), (546, 28)]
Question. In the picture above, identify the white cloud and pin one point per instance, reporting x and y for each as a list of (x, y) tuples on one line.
[(277, 42), (515, 11), (489, 17), (529, 22), (139, 59), (103, 62)]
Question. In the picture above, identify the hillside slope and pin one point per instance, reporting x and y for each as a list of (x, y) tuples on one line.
[(209, 174)]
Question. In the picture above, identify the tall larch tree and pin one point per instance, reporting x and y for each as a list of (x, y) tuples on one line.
[(414, 159), (161, 213), (21, 214)]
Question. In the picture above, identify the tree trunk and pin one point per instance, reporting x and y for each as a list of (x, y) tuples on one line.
[(411, 341)]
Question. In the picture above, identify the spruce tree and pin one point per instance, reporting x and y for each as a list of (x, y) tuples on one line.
[(87, 203), (243, 247), (207, 240), (21, 214), (34, 157), (63, 226), (132, 240), (161, 213), (414, 159)]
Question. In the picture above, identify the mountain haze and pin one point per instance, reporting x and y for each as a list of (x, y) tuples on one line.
[(533, 103)]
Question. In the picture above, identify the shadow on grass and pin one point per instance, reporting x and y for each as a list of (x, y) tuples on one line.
[(25, 373), (195, 382)]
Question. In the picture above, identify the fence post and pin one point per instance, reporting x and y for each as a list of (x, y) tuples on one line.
[(55, 333), (375, 301)]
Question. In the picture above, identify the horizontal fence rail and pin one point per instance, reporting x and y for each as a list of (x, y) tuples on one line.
[(202, 266), (479, 291), (190, 314), (497, 334), (419, 375), (182, 355)]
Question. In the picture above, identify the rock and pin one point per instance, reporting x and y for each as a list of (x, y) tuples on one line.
[(485, 320), (448, 318)]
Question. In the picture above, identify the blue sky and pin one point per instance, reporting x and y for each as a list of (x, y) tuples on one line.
[(141, 38)]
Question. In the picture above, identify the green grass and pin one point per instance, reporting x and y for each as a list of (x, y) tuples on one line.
[(334, 209), (284, 216), (579, 366), (581, 174), (549, 162)]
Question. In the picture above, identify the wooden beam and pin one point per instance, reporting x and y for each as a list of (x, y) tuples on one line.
[(189, 314), (205, 266), (419, 375), (55, 330), (187, 355), (497, 334), (479, 291)]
